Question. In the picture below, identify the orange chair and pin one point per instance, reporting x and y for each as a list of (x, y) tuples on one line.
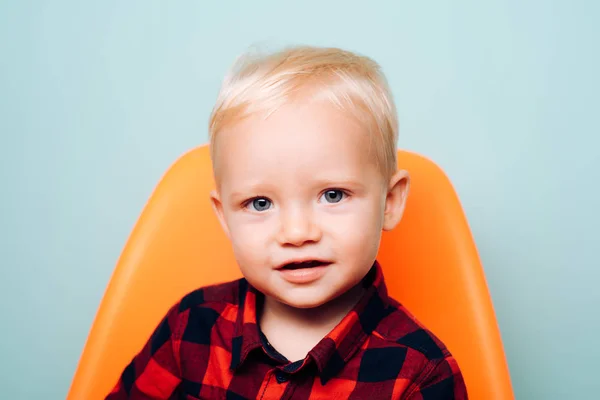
[(430, 263)]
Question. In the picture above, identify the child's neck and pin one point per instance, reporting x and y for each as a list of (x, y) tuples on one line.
[(293, 332)]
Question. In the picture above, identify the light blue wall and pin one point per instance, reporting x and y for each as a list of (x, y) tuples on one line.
[(98, 98)]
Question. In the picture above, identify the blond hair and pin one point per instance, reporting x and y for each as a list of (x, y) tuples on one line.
[(353, 83)]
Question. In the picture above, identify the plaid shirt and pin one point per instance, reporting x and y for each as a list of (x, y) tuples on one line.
[(209, 346)]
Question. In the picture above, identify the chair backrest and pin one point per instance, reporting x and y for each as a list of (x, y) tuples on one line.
[(430, 263)]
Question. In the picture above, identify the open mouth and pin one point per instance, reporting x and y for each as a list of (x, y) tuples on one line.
[(305, 264)]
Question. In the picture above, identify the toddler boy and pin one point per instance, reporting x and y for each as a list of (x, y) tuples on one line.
[(303, 144)]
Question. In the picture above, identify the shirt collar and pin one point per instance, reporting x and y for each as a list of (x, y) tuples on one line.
[(334, 350)]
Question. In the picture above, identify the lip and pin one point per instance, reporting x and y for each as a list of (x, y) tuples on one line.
[(302, 260), (303, 275)]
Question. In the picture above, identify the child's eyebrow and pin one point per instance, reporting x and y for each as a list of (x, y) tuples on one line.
[(249, 190), (339, 183)]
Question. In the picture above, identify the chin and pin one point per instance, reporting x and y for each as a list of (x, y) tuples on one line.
[(306, 302)]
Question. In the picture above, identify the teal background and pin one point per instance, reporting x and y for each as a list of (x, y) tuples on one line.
[(98, 98)]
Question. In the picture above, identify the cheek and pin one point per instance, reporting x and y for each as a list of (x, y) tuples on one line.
[(358, 228), (249, 237)]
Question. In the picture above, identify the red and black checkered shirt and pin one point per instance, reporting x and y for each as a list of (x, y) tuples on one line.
[(209, 346)]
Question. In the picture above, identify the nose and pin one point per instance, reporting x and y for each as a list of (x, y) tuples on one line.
[(298, 227)]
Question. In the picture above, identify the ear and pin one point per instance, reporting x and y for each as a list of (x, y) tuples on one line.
[(217, 207), (395, 200)]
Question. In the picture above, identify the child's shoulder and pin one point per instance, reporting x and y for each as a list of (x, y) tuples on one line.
[(221, 294), (402, 329)]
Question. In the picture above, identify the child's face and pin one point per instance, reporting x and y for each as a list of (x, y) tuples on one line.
[(303, 202)]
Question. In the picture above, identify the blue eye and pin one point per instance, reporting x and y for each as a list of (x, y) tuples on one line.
[(333, 196), (260, 204)]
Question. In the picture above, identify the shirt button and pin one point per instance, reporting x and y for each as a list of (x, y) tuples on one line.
[(281, 377)]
